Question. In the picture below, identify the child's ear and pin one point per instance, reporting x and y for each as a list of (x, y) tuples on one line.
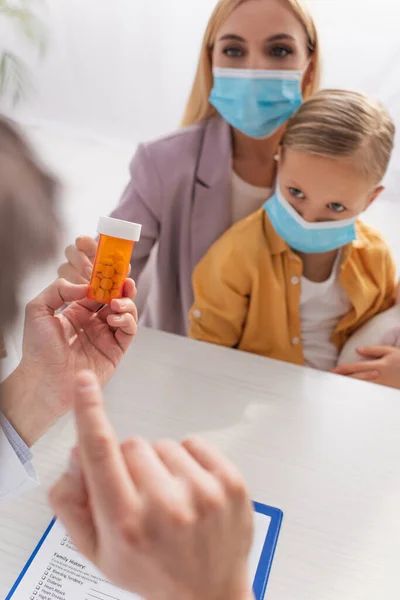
[(279, 155), (375, 194)]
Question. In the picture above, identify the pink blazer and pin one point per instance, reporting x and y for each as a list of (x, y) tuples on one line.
[(180, 193)]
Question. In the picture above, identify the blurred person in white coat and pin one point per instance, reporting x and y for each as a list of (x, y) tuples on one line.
[(55, 347)]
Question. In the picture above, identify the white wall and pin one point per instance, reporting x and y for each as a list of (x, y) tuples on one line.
[(122, 69), (119, 69), (361, 51)]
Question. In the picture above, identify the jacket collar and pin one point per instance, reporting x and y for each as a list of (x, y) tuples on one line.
[(276, 244), (211, 213), (215, 156)]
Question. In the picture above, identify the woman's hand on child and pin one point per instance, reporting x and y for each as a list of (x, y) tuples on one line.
[(382, 366), (80, 257)]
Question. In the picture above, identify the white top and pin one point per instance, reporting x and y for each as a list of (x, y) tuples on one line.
[(17, 474), (246, 198), (322, 305), (324, 449), (117, 228)]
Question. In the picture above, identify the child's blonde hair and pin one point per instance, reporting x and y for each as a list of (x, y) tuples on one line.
[(344, 125), (199, 107)]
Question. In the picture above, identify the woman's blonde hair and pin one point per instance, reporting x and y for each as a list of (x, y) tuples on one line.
[(199, 107), (347, 126)]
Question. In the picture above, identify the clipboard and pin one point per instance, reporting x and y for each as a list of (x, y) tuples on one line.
[(268, 552), (265, 552)]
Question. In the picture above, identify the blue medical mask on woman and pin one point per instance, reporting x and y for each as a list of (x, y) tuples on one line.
[(310, 238), (256, 102)]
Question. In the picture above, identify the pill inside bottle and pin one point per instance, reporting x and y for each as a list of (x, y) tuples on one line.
[(114, 252)]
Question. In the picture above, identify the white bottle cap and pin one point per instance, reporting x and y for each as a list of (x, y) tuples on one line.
[(124, 230)]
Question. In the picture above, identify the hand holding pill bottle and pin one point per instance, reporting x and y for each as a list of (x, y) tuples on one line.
[(111, 265)]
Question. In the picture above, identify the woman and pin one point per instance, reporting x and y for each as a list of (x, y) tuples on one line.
[(187, 189)]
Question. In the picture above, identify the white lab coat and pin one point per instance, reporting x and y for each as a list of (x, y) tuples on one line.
[(16, 478)]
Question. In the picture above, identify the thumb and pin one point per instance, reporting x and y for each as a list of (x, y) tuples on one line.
[(55, 296)]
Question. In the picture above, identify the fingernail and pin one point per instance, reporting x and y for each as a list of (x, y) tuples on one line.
[(117, 318), (123, 305), (86, 380)]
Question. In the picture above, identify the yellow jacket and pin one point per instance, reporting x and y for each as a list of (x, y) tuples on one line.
[(247, 289)]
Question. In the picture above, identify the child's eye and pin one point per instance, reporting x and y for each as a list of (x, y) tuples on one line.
[(233, 52), (336, 207), (296, 193)]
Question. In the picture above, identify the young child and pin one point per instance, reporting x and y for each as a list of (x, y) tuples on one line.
[(297, 278)]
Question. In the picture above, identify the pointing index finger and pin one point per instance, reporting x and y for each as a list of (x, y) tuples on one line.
[(110, 487)]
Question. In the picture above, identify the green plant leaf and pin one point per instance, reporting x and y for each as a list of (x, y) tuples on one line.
[(14, 74), (14, 77), (26, 23)]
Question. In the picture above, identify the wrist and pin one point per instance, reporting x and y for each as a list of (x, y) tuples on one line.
[(239, 587), (241, 592), (235, 590), (23, 404), (245, 593)]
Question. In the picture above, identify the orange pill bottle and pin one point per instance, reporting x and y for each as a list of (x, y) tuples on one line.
[(111, 265)]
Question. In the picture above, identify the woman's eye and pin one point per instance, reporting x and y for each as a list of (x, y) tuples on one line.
[(296, 193), (336, 207), (280, 51), (234, 52)]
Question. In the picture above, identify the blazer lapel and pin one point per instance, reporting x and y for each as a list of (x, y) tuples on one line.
[(211, 208)]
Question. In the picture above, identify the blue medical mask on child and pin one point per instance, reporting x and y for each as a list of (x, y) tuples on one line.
[(310, 238), (256, 102)]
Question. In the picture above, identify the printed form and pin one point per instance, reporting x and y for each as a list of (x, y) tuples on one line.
[(59, 572)]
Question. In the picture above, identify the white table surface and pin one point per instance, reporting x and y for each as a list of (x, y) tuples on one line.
[(324, 449)]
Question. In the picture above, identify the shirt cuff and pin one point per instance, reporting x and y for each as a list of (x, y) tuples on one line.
[(17, 443)]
